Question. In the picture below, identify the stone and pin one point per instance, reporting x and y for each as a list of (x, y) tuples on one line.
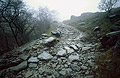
[(45, 56), (56, 74), (57, 33), (62, 72), (32, 65), (69, 50), (49, 41), (86, 48), (110, 39), (41, 71), (96, 29), (61, 52), (84, 67), (19, 67), (79, 45), (74, 47), (89, 76), (75, 67), (28, 74), (33, 60), (44, 35), (73, 58), (25, 57), (114, 28)]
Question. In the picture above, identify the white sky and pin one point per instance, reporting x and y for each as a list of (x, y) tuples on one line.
[(66, 8)]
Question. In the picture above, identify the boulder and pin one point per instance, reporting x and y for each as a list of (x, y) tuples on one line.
[(44, 35), (45, 56), (97, 29), (49, 42), (110, 39), (57, 33)]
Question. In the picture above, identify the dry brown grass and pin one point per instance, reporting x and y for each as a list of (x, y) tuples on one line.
[(108, 65)]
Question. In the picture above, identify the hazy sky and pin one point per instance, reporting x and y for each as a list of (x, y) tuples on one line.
[(66, 8)]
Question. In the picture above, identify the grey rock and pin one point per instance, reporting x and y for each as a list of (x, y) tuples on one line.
[(69, 50), (62, 72), (44, 35), (19, 67), (41, 71), (45, 56), (73, 58), (57, 33), (32, 65), (56, 74), (79, 45), (89, 76), (33, 60), (61, 52), (97, 29), (84, 67), (25, 57), (75, 67), (49, 41), (28, 74), (86, 48), (74, 47)]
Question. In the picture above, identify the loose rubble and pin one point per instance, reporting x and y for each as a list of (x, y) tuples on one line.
[(68, 58)]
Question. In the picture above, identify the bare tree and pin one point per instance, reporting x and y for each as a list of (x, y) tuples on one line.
[(107, 5)]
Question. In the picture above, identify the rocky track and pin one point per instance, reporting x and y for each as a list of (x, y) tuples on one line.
[(69, 58)]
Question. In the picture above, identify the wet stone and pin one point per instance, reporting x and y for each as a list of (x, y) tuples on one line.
[(33, 60), (61, 52), (73, 58), (28, 74), (74, 47), (45, 56), (19, 67), (75, 67), (32, 65)]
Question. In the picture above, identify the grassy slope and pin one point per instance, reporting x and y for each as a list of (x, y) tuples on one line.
[(108, 62)]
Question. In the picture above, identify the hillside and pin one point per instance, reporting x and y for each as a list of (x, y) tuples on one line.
[(104, 29)]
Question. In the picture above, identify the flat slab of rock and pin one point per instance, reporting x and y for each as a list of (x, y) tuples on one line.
[(19, 67), (28, 74), (69, 50), (33, 60), (45, 56), (32, 65), (74, 47), (86, 48), (73, 58), (25, 57), (61, 52)]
